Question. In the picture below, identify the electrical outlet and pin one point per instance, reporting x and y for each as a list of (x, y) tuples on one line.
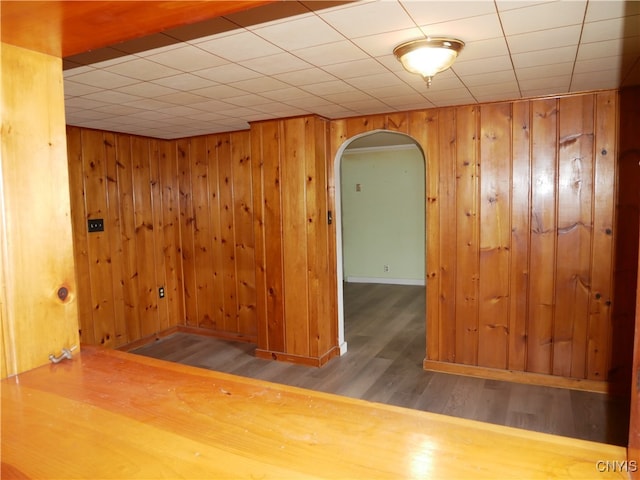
[(95, 225), (161, 292), (385, 268)]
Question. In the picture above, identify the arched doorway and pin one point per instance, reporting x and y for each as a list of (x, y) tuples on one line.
[(390, 144)]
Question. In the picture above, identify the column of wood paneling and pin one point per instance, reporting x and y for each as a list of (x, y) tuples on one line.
[(291, 270), (573, 268), (466, 216), (495, 235), (520, 235)]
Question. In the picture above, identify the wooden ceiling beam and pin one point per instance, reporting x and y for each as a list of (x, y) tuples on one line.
[(64, 28)]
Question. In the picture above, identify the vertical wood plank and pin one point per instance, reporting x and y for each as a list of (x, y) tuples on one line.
[(425, 129), (573, 273), (447, 229), (599, 337), (543, 235), (187, 225), (495, 232), (520, 227), (159, 263), (466, 215), (171, 232), (113, 229), (145, 247), (294, 239), (79, 228), (217, 145), (243, 228), (202, 245), (128, 232), (98, 245), (227, 235)]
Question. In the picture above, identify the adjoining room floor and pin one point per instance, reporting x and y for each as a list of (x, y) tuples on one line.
[(385, 333)]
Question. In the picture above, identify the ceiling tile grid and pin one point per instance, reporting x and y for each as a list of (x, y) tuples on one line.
[(298, 57)]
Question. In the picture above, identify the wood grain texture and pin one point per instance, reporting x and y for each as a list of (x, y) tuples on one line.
[(35, 263), (169, 420)]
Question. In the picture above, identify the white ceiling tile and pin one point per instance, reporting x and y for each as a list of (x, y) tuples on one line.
[(146, 89), (497, 96), (297, 33), (259, 85), (179, 110), (250, 100), (603, 10), (284, 94), (551, 82), (429, 12), (305, 76), (388, 91), (149, 104), (543, 71), (103, 79), (608, 48), (542, 17), (142, 69), (212, 106), (181, 98), (348, 96), (504, 5), (325, 88), (545, 57), (275, 64), (357, 68), (184, 81), (467, 29), (75, 89), (368, 18), (544, 39), (187, 58), (378, 80), (81, 103), (331, 53), (119, 110), (90, 115), (206, 116), (484, 65), (492, 47), (489, 78), (112, 96), (218, 92), (333, 111), (384, 43), (228, 73), (240, 46), (611, 29), (495, 89), (598, 64)]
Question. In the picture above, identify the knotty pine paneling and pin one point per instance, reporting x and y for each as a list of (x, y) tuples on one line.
[(292, 238), (218, 248), (130, 183), (520, 205)]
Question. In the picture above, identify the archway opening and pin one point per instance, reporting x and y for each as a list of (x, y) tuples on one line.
[(380, 223)]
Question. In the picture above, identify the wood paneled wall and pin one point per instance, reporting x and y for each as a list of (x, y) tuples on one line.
[(216, 215), (521, 234), (131, 183), (291, 224), (178, 215), (520, 212)]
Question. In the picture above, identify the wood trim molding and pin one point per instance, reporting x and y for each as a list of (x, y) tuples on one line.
[(298, 359), (516, 376)]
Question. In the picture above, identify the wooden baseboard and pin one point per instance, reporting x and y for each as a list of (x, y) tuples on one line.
[(141, 342), (518, 377), (236, 337), (298, 359)]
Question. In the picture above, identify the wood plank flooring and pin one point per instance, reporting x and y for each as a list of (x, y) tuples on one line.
[(385, 333)]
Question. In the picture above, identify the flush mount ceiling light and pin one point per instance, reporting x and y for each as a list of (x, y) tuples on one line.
[(429, 56)]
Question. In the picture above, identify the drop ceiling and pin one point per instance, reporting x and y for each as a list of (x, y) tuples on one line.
[(335, 59)]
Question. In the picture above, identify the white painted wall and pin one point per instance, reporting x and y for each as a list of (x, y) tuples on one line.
[(383, 223)]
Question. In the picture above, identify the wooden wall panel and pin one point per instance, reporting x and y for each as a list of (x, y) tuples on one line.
[(495, 235), (543, 198), (291, 313), (467, 227)]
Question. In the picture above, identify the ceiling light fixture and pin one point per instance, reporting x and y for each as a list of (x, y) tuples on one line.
[(428, 56)]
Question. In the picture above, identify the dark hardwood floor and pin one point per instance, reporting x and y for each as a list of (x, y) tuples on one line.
[(385, 333)]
